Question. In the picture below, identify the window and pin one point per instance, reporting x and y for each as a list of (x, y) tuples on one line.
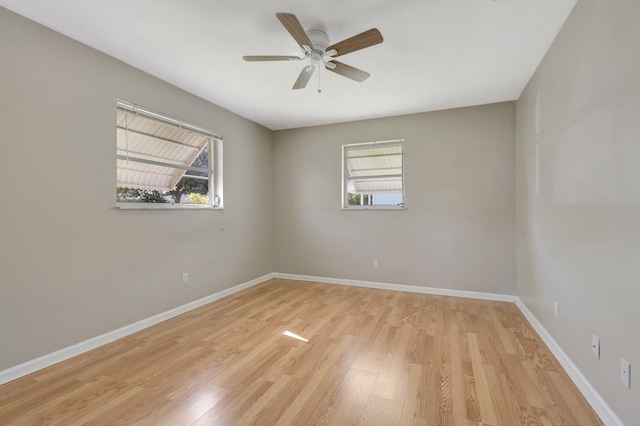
[(373, 175), (163, 162)]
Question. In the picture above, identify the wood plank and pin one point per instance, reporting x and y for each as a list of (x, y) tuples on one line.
[(373, 357)]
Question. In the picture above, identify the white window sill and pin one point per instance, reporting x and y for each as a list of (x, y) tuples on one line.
[(165, 206), (375, 208)]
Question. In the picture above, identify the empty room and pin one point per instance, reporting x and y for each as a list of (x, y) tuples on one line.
[(340, 213)]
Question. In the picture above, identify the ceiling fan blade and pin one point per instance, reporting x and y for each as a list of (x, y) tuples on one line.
[(357, 42), (271, 58), (349, 71), (304, 77), (292, 25)]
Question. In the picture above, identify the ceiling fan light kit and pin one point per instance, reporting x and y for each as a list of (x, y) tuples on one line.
[(315, 47)]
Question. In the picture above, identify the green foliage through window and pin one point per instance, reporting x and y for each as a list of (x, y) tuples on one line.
[(130, 195), (196, 198)]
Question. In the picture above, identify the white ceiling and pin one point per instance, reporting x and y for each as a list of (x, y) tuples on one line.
[(436, 54)]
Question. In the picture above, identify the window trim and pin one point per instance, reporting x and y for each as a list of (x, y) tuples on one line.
[(345, 174), (215, 170)]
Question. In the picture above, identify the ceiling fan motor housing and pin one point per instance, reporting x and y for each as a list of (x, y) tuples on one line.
[(320, 40)]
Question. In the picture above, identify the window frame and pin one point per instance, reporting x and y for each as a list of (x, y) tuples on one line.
[(345, 175), (214, 172)]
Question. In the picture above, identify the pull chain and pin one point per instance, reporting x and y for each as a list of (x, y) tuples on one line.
[(319, 72)]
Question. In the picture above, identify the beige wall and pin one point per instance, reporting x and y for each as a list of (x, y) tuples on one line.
[(579, 238), (72, 266), (458, 231)]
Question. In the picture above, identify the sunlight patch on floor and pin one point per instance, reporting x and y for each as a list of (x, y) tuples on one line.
[(295, 336)]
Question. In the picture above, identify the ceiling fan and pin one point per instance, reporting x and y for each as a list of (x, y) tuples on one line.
[(316, 48)]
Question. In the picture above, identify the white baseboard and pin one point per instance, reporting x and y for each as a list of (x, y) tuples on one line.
[(79, 348), (402, 287), (607, 415)]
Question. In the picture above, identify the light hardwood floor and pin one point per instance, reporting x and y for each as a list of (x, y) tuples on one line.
[(373, 357)]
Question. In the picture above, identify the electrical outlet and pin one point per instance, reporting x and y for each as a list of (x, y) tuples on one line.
[(375, 263), (185, 278), (556, 309), (595, 346), (625, 373)]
